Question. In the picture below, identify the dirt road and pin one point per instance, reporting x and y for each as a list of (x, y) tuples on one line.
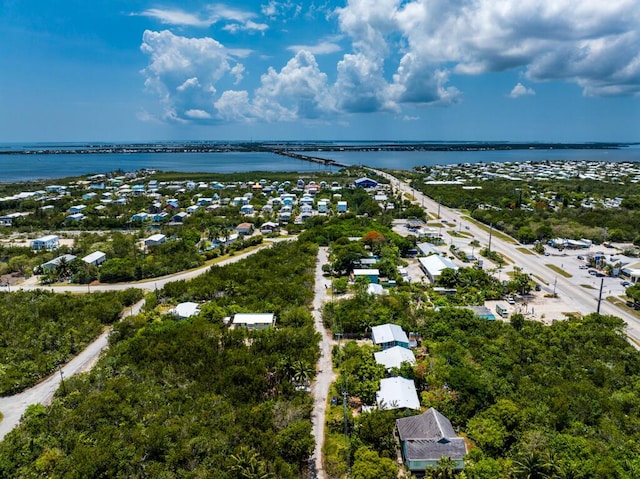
[(325, 374), (13, 407)]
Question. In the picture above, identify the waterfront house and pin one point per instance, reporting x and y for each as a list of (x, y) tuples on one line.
[(427, 438), (47, 242), (389, 335)]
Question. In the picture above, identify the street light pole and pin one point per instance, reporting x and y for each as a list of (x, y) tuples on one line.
[(490, 236)]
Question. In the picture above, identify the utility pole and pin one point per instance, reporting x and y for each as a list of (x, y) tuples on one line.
[(64, 389), (600, 295), (490, 235), (555, 282)]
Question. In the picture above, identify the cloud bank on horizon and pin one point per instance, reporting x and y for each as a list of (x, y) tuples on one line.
[(217, 63)]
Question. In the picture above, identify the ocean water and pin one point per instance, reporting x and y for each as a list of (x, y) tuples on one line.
[(407, 160), (48, 166)]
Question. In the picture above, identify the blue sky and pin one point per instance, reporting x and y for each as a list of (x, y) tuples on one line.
[(515, 70)]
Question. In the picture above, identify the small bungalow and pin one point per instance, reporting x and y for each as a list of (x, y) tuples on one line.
[(244, 228), (268, 227), (7, 220), (155, 240), (96, 258), (140, 217), (373, 275), (427, 438), (397, 393), (192, 209), (47, 242), (323, 206), (389, 335), (247, 209), (342, 206), (53, 264), (394, 357), (179, 217), (254, 320), (77, 209), (185, 310), (159, 217), (75, 217)]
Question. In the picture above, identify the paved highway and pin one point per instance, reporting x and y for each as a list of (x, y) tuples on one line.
[(576, 297)]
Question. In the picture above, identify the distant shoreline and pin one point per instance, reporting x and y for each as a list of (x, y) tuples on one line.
[(273, 147)]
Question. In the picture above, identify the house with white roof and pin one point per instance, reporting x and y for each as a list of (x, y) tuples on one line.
[(155, 240), (434, 265), (47, 242), (186, 310), (254, 320), (96, 258), (389, 335), (394, 357), (397, 393)]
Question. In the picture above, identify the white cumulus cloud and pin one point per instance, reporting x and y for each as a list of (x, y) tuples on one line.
[(183, 72), (521, 90)]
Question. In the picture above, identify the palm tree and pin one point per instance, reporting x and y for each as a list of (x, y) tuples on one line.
[(532, 466), (444, 470), (247, 464)]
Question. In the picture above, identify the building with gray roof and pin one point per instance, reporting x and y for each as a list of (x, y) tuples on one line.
[(427, 438)]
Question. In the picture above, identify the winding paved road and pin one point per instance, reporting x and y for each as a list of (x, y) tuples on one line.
[(325, 375)]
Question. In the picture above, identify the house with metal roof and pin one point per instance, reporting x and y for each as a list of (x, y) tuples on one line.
[(365, 183), (186, 310), (389, 335), (397, 393), (394, 357), (427, 438), (96, 258), (47, 242), (434, 265), (254, 320)]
